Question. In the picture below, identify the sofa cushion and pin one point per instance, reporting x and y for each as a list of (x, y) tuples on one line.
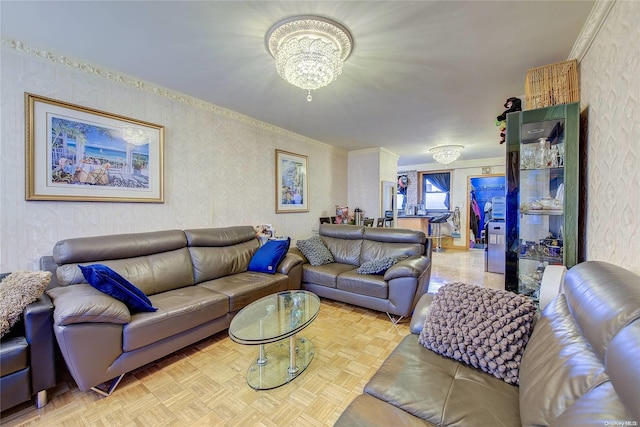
[(268, 256), (366, 410), (482, 327), (315, 251), (14, 355), (442, 391), (111, 283), (324, 275), (17, 290), (373, 250), (344, 251), (178, 311), (370, 285), (245, 288), (558, 366)]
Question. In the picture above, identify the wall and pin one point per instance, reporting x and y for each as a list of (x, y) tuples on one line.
[(219, 165), (364, 181), (367, 169), (610, 93)]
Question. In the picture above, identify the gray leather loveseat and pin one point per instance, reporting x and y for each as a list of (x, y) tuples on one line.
[(580, 367), (395, 292), (197, 279)]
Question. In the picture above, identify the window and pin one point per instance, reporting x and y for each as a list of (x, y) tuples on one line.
[(435, 190)]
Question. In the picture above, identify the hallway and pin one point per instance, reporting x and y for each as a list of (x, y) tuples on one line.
[(462, 266)]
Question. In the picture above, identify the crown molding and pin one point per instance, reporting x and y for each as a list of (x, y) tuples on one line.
[(590, 29), (135, 83)]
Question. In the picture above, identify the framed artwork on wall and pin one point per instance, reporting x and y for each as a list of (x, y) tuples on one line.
[(74, 153), (292, 182)]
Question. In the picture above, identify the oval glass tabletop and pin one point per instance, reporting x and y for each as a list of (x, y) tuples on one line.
[(274, 317)]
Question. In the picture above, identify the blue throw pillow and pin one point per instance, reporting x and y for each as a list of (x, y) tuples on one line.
[(269, 255), (111, 283)]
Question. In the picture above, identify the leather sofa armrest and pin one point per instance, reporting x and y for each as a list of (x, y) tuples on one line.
[(48, 264), (420, 313), (290, 260), (38, 326), (411, 267), (82, 303), (295, 251)]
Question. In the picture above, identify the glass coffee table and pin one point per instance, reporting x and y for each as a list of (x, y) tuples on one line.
[(273, 319)]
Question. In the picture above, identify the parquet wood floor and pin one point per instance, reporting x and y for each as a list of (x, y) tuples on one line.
[(205, 384)]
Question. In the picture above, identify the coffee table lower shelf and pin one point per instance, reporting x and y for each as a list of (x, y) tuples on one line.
[(280, 365)]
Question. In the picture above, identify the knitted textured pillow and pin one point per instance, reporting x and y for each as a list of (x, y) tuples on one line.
[(17, 290), (485, 328), (315, 251), (379, 266)]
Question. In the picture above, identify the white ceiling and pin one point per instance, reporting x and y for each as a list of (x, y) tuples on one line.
[(422, 73)]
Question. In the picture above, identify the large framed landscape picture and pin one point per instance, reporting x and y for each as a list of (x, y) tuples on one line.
[(75, 153), (292, 186)]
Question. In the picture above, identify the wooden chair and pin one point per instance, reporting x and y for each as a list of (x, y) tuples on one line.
[(325, 220), (380, 222), (368, 222)]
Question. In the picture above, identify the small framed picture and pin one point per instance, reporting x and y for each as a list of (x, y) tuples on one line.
[(292, 182)]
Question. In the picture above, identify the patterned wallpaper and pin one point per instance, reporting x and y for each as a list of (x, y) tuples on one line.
[(610, 93), (219, 165)]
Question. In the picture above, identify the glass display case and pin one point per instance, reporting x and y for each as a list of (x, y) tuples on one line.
[(542, 194)]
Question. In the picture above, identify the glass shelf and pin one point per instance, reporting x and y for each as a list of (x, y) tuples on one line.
[(542, 258), (555, 212)]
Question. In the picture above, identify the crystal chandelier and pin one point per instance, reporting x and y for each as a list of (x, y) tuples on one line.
[(135, 136), (309, 50), (446, 154)]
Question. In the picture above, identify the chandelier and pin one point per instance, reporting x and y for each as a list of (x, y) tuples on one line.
[(135, 136), (446, 154), (309, 50)]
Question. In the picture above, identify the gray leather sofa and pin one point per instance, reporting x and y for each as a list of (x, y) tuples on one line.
[(580, 367), (197, 279), (396, 292)]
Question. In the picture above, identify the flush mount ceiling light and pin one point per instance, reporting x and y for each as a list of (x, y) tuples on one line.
[(135, 136), (309, 50), (446, 154)]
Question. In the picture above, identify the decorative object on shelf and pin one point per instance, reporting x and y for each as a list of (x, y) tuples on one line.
[(343, 216), (75, 153), (309, 50), (552, 85), (446, 154), (292, 186), (512, 105)]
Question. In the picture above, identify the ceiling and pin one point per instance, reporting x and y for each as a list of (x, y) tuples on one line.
[(422, 73)]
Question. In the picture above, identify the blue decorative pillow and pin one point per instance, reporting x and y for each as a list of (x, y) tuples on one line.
[(111, 283), (269, 255)]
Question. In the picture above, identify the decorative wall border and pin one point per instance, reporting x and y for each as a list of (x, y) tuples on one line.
[(591, 28), (142, 85)]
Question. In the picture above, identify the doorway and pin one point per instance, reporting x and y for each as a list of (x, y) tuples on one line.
[(480, 197)]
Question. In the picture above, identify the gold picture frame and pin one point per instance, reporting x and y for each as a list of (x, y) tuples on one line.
[(292, 182), (74, 153)]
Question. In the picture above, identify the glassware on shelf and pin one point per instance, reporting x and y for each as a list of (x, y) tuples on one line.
[(552, 157), (560, 154), (541, 154)]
